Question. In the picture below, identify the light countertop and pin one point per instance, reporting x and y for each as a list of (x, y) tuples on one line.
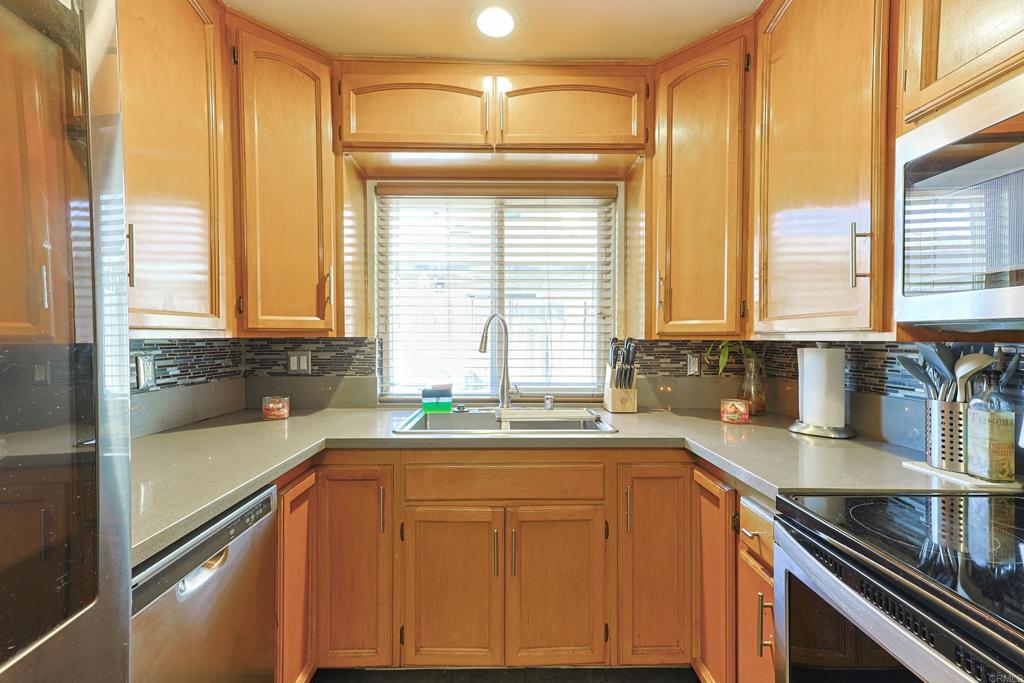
[(185, 477)]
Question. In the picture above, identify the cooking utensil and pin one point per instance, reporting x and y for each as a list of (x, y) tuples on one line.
[(966, 368), (920, 374), (935, 361), (1010, 371)]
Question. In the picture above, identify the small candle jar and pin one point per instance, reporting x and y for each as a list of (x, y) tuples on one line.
[(735, 411), (276, 407)]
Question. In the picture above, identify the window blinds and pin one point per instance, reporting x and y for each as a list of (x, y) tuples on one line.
[(445, 263)]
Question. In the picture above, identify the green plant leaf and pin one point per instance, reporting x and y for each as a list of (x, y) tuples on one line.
[(723, 357)]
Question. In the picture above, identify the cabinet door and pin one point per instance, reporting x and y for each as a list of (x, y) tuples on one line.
[(571, 111), (715, 505), (555, 598), (698, 189), (296, 562), (819, 169), (287, 187), (755, 622), (454, 587), (416, 110), (654, 576), (950, 47), (354, 614), (174, 161), (33, 199)]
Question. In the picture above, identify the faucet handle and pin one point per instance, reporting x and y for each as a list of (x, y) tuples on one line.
[(515, 390)]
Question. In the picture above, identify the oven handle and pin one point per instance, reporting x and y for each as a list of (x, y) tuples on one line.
[(793, 559)]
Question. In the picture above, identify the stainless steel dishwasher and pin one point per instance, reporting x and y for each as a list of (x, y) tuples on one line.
[(203, 611)]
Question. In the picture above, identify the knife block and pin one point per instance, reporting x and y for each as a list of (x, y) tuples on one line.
[(618, 400)]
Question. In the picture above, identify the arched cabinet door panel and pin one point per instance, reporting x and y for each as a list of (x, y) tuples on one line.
[(571, 111), (287, 182), (699, 184), (175, 181), (415, 110)]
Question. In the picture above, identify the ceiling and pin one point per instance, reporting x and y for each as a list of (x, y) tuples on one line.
[(545, 29)]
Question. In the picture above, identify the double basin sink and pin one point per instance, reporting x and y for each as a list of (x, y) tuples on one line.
[(505, 420)]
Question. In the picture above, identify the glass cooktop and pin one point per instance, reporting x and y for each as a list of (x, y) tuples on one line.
[(972, 545)]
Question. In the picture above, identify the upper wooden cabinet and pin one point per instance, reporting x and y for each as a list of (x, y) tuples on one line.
[(176, 185), (951, 47), (35, 165), (355, 584), (714, 506), (287, 185), (416, 109), (571, 110), (698, 195), (410, 105), (654, 567), (820, 165)]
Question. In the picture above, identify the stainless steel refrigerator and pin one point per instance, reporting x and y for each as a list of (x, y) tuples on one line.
[(64, 434)]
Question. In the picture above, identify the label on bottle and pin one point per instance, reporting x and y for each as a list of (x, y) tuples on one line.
[(990, 448)]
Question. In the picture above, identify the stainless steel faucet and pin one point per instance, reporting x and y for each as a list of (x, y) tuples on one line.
[(504, 385)]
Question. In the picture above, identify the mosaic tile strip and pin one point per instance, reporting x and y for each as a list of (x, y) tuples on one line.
[(181, 362), (332, 357)]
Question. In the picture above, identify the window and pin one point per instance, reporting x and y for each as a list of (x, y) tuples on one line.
[(445, 263)]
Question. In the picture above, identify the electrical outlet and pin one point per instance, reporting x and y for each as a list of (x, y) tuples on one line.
[(41, 373), (693, 365), (145, 373), (300, 362)]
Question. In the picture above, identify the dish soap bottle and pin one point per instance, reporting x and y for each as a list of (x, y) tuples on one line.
[(990, 432)]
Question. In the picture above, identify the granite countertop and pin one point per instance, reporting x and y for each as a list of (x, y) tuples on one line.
[(185, 477)]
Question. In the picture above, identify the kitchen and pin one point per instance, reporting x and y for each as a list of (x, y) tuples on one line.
[(516, 341)]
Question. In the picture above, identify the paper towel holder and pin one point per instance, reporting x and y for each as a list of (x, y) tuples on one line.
[(800, 427), (845, 432)]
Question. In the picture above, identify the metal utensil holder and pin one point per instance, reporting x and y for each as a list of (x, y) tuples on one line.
[(945, 442)]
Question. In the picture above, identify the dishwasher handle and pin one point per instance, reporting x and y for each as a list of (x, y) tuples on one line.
[(198, 577)]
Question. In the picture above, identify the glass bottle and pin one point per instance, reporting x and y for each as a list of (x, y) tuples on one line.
[(752, 388), (990, 432)]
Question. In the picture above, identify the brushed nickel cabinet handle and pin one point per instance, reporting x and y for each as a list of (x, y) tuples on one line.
[(629, 507), (513, 552), (44, 284), (853, 253), (487, 113), (761, 607), (495, 546), (130, 236), (381, 497), (330, 286), (749, 534)]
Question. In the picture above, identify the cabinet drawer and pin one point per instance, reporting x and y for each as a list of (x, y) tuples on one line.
[(760, 538), (569, 481)]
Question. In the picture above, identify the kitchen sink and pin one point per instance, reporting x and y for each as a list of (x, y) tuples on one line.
[(500, 420)]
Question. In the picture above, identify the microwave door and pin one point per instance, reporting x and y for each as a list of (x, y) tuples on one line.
[(64, 487)]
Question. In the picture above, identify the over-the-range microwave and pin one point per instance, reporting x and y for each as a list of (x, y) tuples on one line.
[(959, 201)]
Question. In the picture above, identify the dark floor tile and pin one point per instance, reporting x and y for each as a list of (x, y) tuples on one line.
[(546, 675), (483, 676)]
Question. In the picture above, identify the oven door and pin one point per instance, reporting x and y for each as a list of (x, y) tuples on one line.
[(826, 631)]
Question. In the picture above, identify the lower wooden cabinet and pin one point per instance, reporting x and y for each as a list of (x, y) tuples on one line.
[(555, 594), (654, 569), (355, 585), (755, 619), (493, 586), (714, 508), (296, 565), (454, 586)]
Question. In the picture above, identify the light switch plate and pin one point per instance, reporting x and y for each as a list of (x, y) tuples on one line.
[(41, 373), (693, 365), (300, 362), (145, 373)]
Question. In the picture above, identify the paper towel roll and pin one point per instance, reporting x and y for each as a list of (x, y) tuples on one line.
[(822, 387)]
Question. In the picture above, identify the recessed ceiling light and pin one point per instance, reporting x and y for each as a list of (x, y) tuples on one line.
[(496, 22)]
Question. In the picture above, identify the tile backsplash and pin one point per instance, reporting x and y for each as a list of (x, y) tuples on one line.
[(871, 367)]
